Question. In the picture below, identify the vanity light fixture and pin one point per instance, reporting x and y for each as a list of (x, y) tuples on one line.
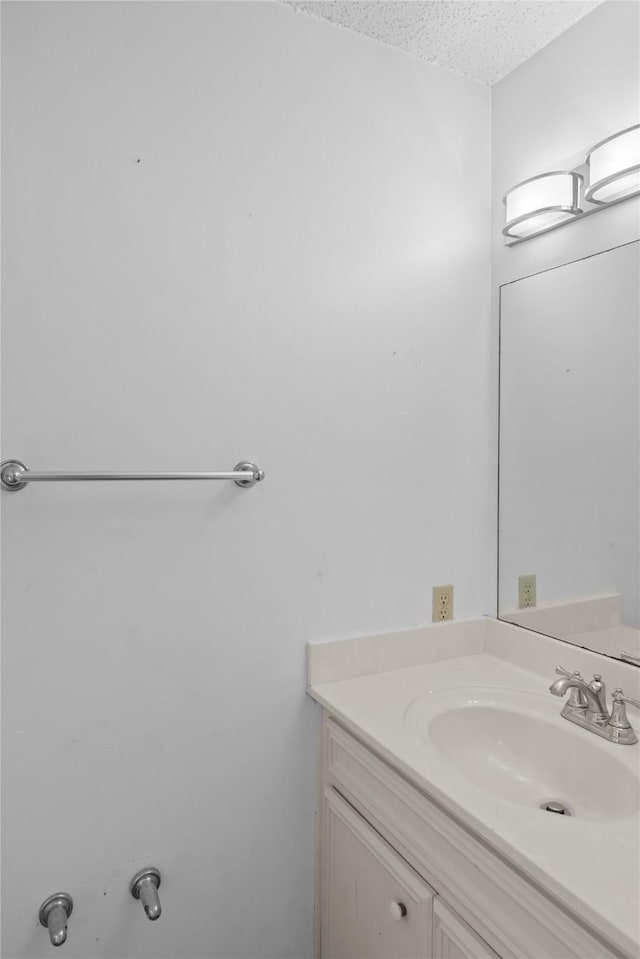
[(614, 167), (541, 202), (549, 200)]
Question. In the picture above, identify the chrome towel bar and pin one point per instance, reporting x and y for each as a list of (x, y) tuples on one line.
[(14, 475)]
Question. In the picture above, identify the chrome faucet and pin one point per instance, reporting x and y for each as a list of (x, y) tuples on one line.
[(587, 707)]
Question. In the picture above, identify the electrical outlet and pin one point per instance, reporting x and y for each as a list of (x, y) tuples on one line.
[(527, 591), (442, 603)]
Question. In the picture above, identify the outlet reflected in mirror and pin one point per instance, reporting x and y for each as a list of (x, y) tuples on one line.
[(569, 533)]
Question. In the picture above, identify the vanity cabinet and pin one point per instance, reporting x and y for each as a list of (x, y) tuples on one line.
[(402, 878), (376, 905)]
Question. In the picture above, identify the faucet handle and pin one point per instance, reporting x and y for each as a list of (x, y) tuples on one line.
[(619, 697), (630, 657), (561, 671), (620, 728)]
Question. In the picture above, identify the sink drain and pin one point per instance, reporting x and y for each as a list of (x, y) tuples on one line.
[(554, 805)]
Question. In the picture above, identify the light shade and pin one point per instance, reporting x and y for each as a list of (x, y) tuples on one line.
[(541, 202), (614, 167)]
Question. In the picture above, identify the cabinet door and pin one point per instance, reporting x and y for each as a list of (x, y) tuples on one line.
[(454, 939), (374, 906)]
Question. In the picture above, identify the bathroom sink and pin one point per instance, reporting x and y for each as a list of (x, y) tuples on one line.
[(505, 743)]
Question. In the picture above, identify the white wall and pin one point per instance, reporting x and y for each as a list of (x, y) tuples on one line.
[(296, 271)]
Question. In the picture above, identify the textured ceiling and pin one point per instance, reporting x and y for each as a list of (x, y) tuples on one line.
[(483, 40)]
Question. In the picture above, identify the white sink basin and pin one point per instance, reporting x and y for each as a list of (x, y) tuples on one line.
[(505, 743)]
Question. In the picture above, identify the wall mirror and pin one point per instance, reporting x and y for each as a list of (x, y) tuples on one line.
[(569, 488)]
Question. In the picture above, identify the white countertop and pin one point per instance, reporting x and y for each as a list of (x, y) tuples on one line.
[(592, 866)]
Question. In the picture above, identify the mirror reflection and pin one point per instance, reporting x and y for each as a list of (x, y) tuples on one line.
[(569, 535)]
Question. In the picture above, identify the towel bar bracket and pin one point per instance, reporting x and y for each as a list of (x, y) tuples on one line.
[(10, 474)]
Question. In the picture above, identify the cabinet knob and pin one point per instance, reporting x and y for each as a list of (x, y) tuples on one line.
[(398, 911)]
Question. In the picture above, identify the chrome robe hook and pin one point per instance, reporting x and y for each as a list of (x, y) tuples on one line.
[(144, 886), (53, 915)]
